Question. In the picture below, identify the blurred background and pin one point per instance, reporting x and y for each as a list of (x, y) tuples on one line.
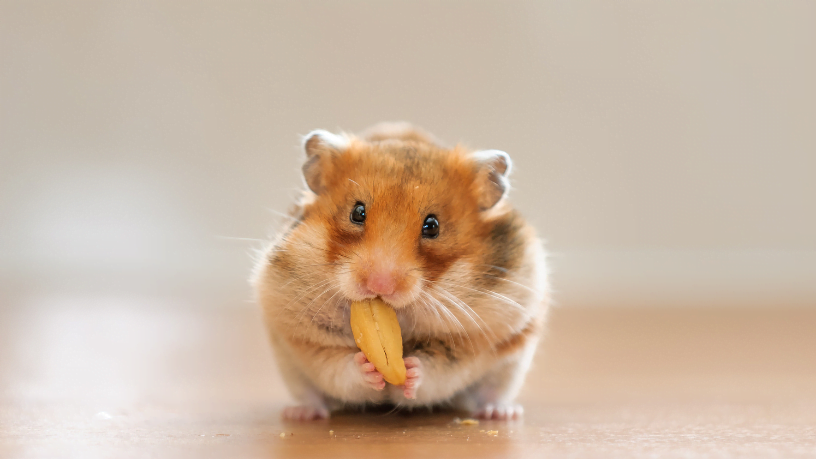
[(666, 151)]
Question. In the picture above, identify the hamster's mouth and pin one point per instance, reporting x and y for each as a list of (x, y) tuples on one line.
[(390, 299), (395, 300)]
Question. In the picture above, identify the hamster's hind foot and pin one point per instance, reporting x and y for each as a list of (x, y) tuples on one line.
[(305, 413), (500, 411)]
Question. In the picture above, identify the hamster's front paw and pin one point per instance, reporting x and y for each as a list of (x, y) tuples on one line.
[(500, 411), (371, 376), (305, 413), (413, 377)]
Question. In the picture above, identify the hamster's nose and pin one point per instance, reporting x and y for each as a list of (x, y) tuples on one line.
[(381, 282)]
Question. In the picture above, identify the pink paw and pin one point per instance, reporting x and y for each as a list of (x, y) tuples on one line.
[(413, 377), (500, 411), (305, 413), (371, 376)]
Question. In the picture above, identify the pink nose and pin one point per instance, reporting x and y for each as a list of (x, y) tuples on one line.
[(381, 283)]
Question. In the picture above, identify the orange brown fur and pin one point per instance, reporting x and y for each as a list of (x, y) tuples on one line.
[(486, 270)]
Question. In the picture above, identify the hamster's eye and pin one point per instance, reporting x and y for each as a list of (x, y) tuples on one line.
[(358, 214), (430, 229)]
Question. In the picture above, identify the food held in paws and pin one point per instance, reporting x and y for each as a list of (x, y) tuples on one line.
[(377, 333)]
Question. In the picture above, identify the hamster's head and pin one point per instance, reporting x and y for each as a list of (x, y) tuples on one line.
[(391, 216)]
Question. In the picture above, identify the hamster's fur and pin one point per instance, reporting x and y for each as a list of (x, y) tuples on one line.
[(471, 302)]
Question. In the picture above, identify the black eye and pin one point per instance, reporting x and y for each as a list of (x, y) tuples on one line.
[(430, 229), (358, 214)]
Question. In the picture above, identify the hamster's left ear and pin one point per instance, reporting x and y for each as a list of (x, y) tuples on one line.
[(320, 146), (493, 168)]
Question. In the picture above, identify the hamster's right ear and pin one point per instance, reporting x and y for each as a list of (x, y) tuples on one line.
[(320, 146)]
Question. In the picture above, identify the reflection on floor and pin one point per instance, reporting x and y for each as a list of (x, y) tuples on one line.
[(123, 377)]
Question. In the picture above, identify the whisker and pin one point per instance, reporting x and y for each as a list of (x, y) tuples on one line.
[(282, 214), (441, 319), (465, 308), (461, 326), (510, 281), (324, 303), (427, 317), (413, 300), (456, 302), (296, 278), (299, 317), (310, 289), (504, 270), (491, 293), (421, 307)]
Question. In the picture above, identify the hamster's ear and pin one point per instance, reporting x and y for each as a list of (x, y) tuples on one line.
[(320, 146), (493, 168)]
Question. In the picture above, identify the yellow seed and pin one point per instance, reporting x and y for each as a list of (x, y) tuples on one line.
[(382, 346)]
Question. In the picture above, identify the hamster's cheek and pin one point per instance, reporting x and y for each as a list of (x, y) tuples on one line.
[(403, 298), (350, 287)]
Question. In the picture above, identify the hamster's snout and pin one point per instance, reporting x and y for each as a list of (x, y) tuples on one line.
[(381, 282), (384, 275), (384, 280)]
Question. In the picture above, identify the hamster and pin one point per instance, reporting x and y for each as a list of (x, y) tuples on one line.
[(392, 213)]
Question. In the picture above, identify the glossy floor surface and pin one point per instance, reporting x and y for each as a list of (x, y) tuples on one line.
[(129, 377)]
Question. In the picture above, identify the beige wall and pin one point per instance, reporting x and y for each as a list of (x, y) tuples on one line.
[(666, 150)]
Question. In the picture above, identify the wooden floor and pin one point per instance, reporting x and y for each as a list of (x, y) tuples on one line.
[(129, 377)]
